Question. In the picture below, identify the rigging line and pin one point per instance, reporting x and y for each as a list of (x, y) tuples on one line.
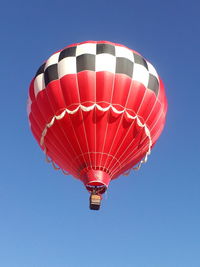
[(95, 114), (58, 152), (134, 155), (59, 126), (84, 129), (142, 126), (126, 163), (82, 117), (145, 122), (153, 107), (69, 116), (60, 148), (58, 117), (141, 105), (157, 100), (35, 121), (77, 83), (72, 129), (62, 95), (135, 140), (85, 109), (155, 123), (60, 159), (115, 132), (111, 100), (140, 102), (108, 116), (77, 86), (139, 109), (109, 155), (122, 117), (65, 173), (124, 138), (148, 152), (68, 141)]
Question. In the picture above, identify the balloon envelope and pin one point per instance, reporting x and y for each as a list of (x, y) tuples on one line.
[(96, 109)]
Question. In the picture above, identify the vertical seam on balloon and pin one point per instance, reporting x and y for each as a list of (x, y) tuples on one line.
[(60, 159), (155, 123), (111, 98), (99, 153), (138, 112), (58, 117), (95, 111), (122, 118), (61, 92), (50, 104), (62, 95), (132, 142), (77, 85), (143, 140), (130, 127), (41, 129), (35, 122), (58, 148), (135, 111), (108, 117), (125, 162), (159, 117), (141, 148), (81, 118), (77, 80), (45, 149)]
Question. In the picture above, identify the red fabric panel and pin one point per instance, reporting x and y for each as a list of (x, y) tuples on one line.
[(44, 105), (137, 91), (55, 96), (70, 89), (87, 86), (104, 86), (121, 89)]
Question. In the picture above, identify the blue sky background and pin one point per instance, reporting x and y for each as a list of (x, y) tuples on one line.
[(152, 217)]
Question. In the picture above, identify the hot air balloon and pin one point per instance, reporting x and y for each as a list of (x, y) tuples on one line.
[(96, 109)]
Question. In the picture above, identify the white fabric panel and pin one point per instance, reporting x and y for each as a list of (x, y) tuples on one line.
[(140, 74), (152, 69), (52, 60), (105, 62), (67, 66), (87, 48), (124, 52), (39, 84)]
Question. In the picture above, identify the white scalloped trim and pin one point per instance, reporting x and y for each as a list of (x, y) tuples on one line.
[(89, 108)]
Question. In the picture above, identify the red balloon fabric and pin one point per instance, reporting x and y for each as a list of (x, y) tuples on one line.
[(97, 109)]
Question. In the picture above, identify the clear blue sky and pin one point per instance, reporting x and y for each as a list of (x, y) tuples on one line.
[(152, 217)]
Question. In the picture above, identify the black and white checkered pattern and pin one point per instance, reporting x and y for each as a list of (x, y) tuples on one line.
[(97, 57)]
